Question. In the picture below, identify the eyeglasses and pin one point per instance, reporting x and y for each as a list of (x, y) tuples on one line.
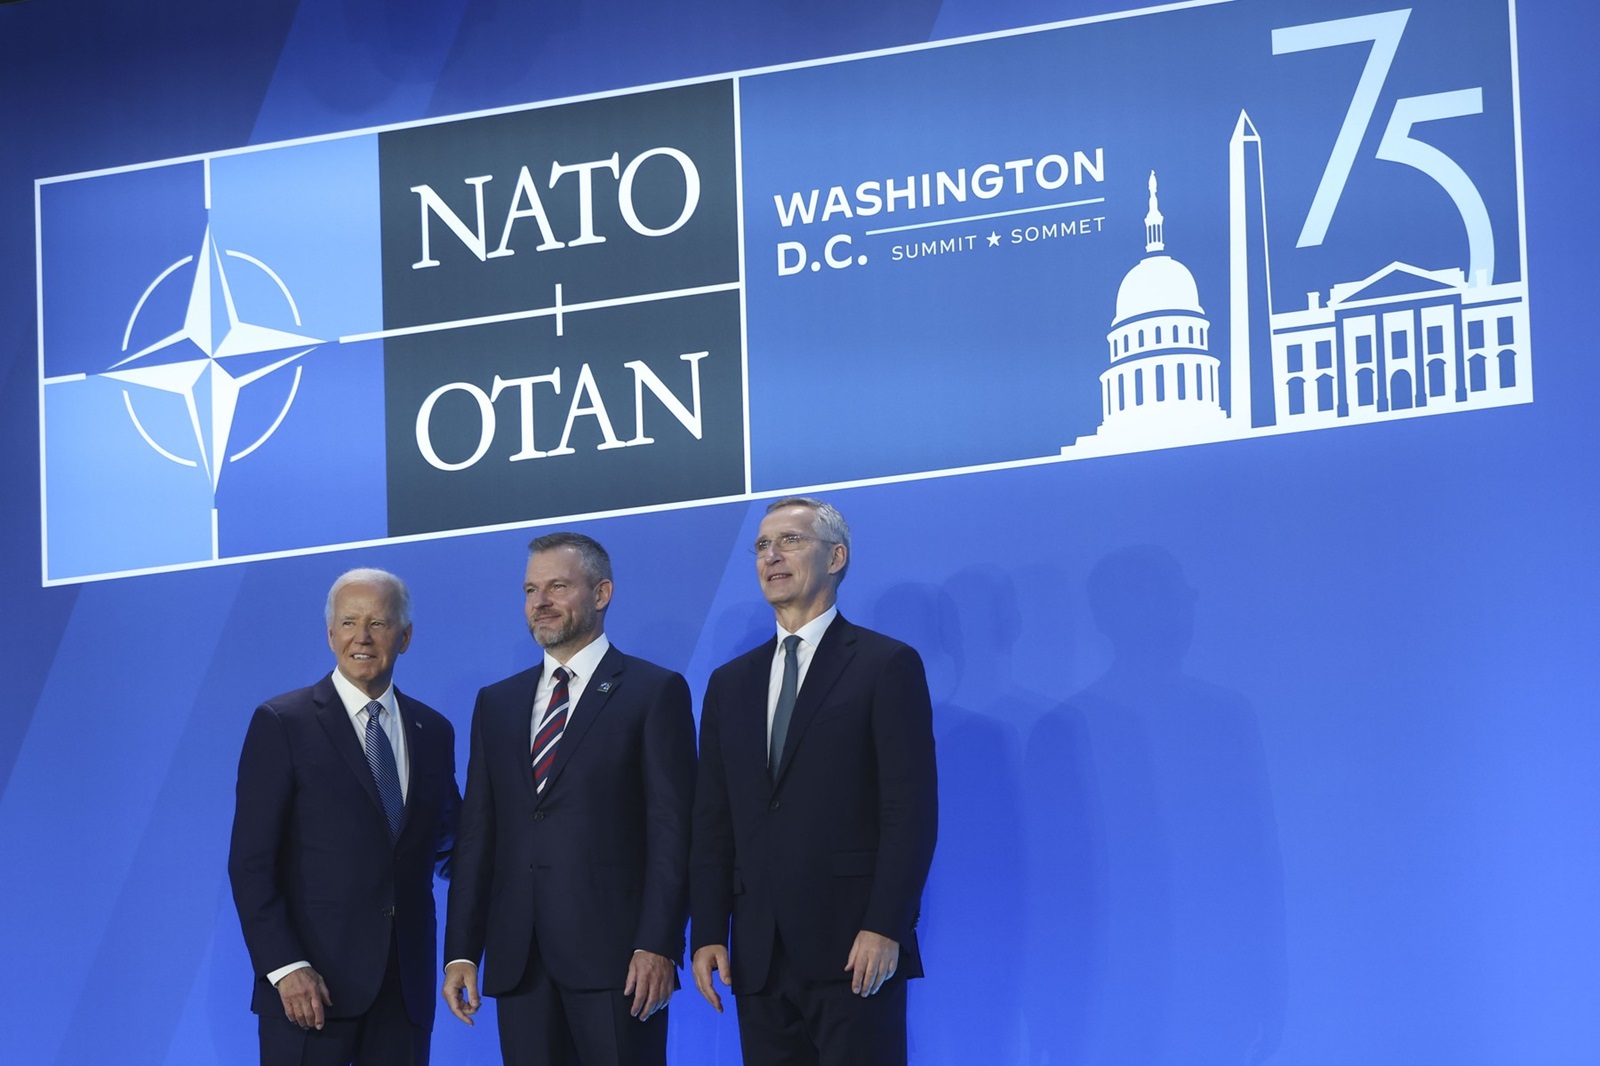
[(783, 542)]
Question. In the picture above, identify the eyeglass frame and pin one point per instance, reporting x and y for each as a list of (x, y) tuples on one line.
[(781, 545)]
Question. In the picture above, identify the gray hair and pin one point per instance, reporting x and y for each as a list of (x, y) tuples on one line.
[(593, 560), (399, 596), (829, 525)]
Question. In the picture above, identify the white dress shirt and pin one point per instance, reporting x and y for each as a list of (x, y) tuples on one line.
[(580, 668), (355, 705), (809, 635)]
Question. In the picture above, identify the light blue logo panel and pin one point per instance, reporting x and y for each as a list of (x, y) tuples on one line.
[(1166, 229), (199, 403)]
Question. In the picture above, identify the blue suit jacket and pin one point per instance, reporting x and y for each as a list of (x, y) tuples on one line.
[(843, 839), (596, 865), (316, 874)]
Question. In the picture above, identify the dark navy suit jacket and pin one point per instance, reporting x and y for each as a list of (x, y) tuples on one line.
[(594, 867), (843, 839), (316, 874)]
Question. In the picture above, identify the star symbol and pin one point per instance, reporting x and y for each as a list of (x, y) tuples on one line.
[(207, 383), (994, 240)]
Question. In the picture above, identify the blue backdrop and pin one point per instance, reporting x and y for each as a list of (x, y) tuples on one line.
[(1278, 749)]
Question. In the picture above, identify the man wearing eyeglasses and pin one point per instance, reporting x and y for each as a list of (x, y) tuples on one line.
[(815, 816)]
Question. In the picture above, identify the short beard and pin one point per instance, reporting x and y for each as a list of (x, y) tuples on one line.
[(565, 632)]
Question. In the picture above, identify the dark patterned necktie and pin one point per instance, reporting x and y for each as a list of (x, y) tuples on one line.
[(788, 689), (385, 772), (550, 730)]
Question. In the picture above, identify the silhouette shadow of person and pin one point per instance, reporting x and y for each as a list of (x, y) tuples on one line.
[(971, 929), (1156, 902)]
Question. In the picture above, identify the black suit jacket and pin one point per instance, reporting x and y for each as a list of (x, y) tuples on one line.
[(316, 874), (597, 865), (843, 839)]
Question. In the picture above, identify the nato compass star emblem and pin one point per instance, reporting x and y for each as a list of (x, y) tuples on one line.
[(210, 358)]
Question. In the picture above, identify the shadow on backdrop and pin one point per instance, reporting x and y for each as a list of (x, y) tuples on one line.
[(971, 929), (1156, 896), (745, 625)]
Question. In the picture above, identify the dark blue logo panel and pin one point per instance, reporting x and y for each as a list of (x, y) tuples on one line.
[(631, 406), (620, 197), (561, 314)]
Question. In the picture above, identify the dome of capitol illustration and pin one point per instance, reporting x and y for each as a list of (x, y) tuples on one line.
[(1157, 283), (1161, 385)]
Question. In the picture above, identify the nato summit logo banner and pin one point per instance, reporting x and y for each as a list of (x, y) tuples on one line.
[(1210, 223), (1205, 222)]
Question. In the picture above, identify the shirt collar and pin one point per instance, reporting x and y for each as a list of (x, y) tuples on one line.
[(811, 632), (355, 701), (583, 662)]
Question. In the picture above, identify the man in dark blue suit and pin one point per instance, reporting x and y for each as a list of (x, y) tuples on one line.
[(815, 816), (571, 872), (346, 803)]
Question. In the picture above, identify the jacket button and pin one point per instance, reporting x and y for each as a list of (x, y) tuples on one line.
[(773, 806), (538, 816), (388, 912)]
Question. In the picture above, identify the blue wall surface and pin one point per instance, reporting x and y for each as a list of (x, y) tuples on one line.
[(1267, 750)]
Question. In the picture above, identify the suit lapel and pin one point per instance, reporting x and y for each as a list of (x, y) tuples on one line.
[(335, 723), (833, 654), (597, 694), (411, 723), (517, 718), (745, 735)]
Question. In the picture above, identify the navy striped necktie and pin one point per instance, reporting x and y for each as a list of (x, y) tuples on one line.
[(385, 771)]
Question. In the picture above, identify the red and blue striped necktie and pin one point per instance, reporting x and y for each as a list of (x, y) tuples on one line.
[(550, 730)]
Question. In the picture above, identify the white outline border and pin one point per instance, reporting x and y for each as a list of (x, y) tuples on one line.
[(736, 78)]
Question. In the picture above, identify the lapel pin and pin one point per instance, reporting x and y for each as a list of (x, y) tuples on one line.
[(605, 686)]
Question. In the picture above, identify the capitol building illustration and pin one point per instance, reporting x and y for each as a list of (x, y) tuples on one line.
[(1402, 341)]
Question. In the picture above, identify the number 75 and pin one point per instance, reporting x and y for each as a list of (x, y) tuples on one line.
[(1383, 30)]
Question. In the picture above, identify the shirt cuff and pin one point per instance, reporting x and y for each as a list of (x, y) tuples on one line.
[(284, 971)]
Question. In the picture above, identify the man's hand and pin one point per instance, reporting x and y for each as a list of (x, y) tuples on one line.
[(873, 960), (304, 995), (652, 979), (460, 990), (709, 958)]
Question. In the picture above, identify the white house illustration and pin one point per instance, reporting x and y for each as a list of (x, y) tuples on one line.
[(1401, 342)]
